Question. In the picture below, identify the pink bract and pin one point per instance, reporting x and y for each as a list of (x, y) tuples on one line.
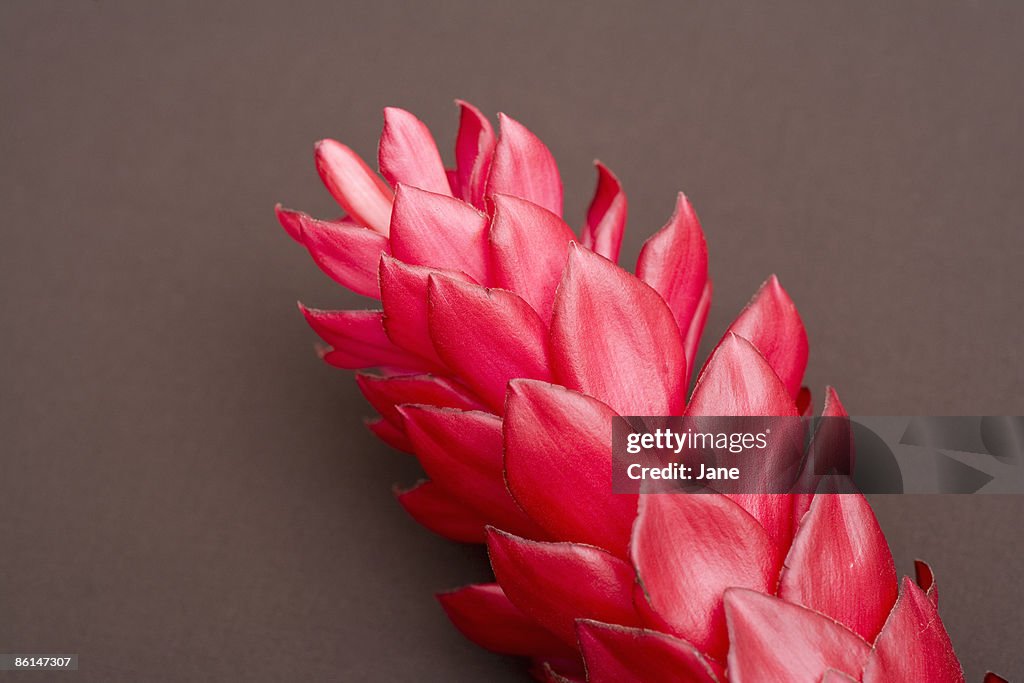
[(504, 343)]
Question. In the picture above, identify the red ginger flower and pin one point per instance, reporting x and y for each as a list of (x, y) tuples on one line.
[(506, 345)]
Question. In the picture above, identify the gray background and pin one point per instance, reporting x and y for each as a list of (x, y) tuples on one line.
[(186, 493)]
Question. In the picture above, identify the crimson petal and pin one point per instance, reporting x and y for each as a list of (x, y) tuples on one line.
[(361, 333), (484, 615), (386, 393), (833, 676), (290, 221), (606, 217), (674, 261), (461, 451), (737, 380), (524, 167), (773, 640), (390, 434), (913, 645), (687, 549), (403, 294), (830, 449), (435, 230), (558, 465), (474, 149), (407, 153), (528, 245), (545, 672), (619, 654), (347, 253), (435, 509), (636, 363), (556, 583), (926, 580), (840, 565), (696, 329), (772, 324), (354, 185), (488, 336)]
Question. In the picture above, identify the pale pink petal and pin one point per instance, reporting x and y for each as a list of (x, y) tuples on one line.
[(354, 185), (557, 583), (529, 246), (687, 549), (408, 155), (840, 565), (606, 217), (674, 261), (524, 167), (488, 336), (434, 230), (558, 465), (772, 324), (913, 645), (474, 149), (773, 640), (614, 338)]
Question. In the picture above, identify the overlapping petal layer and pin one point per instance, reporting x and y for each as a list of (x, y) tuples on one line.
[(506, 345)]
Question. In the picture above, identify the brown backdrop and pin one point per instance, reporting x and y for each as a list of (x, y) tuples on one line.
[(186, 493)]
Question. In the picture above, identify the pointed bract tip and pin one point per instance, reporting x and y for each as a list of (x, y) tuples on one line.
[(290, 220), (392, 113), (409, 411), (465, 104), (924, 574), (605, 175), (773, 288), (504, 120), (324, 146), (833, 406)]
